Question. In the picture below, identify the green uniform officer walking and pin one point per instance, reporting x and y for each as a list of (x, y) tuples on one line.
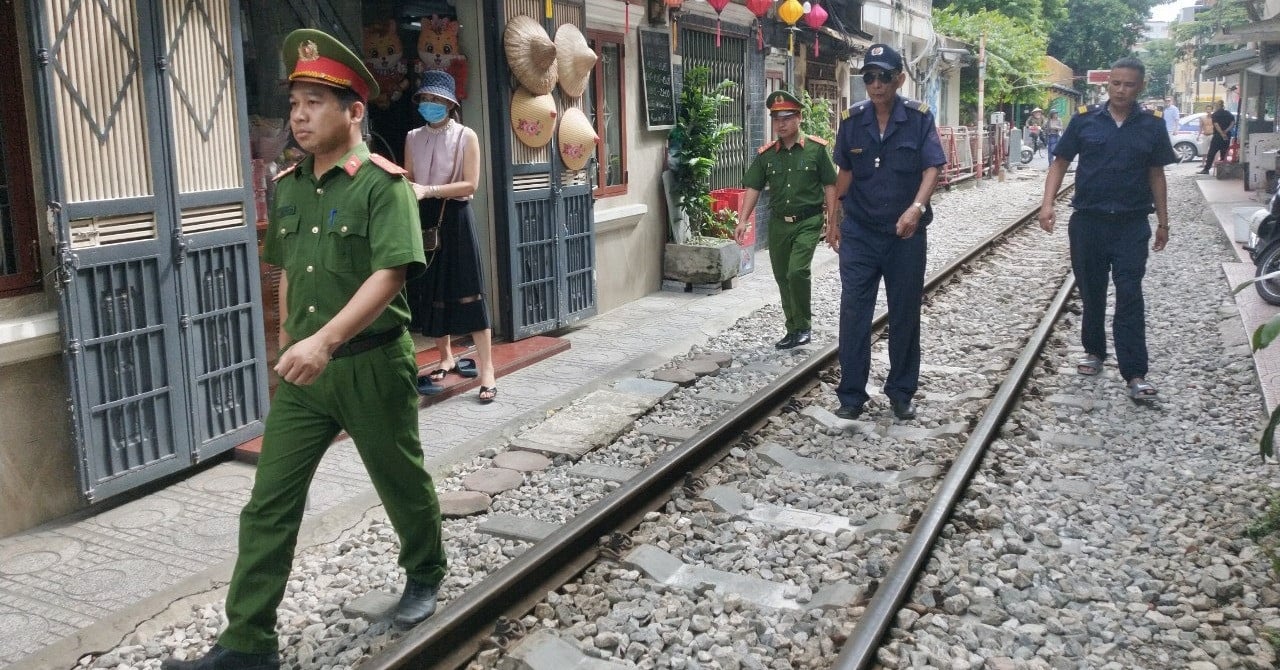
[(801, 180), (344, 230)]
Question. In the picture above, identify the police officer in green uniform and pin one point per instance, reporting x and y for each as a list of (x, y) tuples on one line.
[(344, 230), (801, 180)]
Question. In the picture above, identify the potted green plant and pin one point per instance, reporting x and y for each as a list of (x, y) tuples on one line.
[(701, 250)]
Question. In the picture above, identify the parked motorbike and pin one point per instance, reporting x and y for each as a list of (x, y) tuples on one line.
[(1264, 248)]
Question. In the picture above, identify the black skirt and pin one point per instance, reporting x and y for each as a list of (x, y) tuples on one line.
[(448, 299)]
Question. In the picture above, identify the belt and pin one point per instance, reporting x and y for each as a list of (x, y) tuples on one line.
[(360, 345), (802, 214)]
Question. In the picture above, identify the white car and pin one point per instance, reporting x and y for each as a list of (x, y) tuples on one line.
[(1187, 141)]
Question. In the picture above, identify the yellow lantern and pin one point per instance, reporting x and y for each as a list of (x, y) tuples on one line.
[(790, 12)]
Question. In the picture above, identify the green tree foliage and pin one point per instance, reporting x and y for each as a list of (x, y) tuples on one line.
[(1159, 58), (1043, 14), (1196, 33), (818, 118), (1097, 32), (1015, 50)]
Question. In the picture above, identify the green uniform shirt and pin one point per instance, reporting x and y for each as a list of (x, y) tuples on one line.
[(330, 233), (795, 176)]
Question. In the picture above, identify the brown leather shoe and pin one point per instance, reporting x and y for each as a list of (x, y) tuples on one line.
[(221, 658)]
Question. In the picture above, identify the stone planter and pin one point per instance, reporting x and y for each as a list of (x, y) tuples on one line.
[(713, 263)]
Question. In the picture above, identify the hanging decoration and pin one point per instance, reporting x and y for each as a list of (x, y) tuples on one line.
[(790, 11), (719, 6), (815, 18), (760, 8), (674, 6)]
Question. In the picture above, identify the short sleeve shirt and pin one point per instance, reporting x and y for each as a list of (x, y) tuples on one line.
[(1111, 177), (795, 176), (331, 232), (887, 171)]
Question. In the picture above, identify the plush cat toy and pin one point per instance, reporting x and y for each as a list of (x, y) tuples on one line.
[(438, 50), (384, 56)]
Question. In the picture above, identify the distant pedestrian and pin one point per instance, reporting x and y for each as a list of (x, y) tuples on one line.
[(801, 181), (1052, 133), (889, 155), (1034, 127), (1223, 122), (443, 162), (1119, 181), (344, 231), (1172, 115)]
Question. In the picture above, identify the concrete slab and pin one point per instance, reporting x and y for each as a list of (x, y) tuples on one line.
[(734, 502), (722, 397), (679, 376), (665, 568), (544, 650), (374, 606), (517, 528), (455, 504), (593, 421), (521, 461), (669, 433), (606, 472), (652, 390), (783, 457), (493, 480)]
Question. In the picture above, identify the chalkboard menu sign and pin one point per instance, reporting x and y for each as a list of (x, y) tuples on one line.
[(655, 71)]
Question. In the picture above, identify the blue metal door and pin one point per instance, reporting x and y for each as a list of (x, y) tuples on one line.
[(548, 240), (146, 158)]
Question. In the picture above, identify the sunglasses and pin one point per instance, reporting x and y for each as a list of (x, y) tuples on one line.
[(878, 75)]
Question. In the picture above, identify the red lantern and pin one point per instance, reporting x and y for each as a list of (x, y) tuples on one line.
[(760, 8), (815, 18), (719, 6)]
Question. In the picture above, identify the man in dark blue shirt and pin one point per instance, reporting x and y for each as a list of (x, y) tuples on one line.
[(1119, 181), (889, 155)]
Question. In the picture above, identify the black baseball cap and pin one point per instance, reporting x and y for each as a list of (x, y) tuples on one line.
[(882, 56)]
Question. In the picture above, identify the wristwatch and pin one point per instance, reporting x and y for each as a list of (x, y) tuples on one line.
[(919, 206)]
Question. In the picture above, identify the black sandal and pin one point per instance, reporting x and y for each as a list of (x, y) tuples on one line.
[(488, 393)]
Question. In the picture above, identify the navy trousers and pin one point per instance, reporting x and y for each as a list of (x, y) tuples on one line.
[(1112, 248), (866, 256)]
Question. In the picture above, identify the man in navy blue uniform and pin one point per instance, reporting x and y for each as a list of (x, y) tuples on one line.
[(1123, 149), (889, 156)]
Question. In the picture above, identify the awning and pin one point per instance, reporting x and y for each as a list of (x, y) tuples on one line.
[(1266, 30), (1066, 90), (1229, 63)]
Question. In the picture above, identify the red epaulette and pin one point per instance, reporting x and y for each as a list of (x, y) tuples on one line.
[(387, 164)]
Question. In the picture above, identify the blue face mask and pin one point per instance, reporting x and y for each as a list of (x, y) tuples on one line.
[(433, 112)]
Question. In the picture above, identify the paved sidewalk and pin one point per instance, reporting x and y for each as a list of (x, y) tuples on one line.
[(1226, 199), (85, 584)]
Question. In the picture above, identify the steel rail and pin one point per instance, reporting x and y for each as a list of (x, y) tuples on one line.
[(860, 648), (453, 635)]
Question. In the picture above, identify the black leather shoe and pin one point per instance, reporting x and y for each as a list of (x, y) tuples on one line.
[(1204, 172), (802, 337), (903, 409), (416, 604), (786, 342), (221, 658), (850, 412)]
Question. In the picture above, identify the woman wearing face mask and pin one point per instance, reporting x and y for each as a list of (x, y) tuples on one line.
[(443, 161)]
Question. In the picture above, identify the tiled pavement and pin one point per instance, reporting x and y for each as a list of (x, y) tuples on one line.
[(83, 584), (1226, 199)]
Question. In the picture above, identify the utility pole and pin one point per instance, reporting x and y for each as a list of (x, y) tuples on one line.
[(982, 80)]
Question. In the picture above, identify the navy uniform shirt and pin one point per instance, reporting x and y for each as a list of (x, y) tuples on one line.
[(1111, 177), (886, 171)]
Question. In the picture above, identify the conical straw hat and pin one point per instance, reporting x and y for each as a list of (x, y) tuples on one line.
[(577, 139), (533, 117), (531, 54), (574, 58)]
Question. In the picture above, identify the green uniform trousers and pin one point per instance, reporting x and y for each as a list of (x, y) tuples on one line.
[(373, 396), (791, 248)]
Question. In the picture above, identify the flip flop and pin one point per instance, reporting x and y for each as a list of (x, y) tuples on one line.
[(437, 374), (426, 388), (1140, 390), (1090, 365), (488, 393), (466, 367)]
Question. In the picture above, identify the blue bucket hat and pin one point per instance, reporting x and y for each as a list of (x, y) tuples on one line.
[(438, 83)]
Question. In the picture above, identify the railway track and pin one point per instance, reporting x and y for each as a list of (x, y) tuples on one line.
[(711, 525)]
